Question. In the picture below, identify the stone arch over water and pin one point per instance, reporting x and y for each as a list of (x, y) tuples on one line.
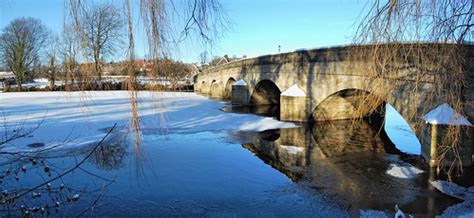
[(214, 89), (201, 89), (266, 92), (344, 104), (228, 88), (348, 104)]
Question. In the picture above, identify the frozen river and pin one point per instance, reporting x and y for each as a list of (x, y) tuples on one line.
[(195, 159)]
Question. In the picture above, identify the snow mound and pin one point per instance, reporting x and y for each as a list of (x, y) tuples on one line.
[(40, 80), (240, 83), (372, 213), (403, 171), (464, 209), (467, 215), (7, 74), (265, 124), (454, 190), (292, 149), (294, 91), (446, 115)]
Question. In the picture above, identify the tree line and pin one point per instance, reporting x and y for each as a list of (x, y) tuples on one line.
[(78, 56)]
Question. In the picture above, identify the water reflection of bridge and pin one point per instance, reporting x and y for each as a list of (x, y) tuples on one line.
[(344, 159)]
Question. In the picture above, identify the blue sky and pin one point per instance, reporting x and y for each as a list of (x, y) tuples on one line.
[(258, 26)]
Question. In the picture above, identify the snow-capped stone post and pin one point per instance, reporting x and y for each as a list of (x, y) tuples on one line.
[(293, 105), (435, 129), (240, 93)]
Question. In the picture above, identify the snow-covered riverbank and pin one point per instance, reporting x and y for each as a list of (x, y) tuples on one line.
[(78, 118)]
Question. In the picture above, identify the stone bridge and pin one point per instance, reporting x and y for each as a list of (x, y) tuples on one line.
[(325, 84)]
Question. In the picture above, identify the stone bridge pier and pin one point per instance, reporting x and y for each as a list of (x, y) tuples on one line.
[(323, 84)]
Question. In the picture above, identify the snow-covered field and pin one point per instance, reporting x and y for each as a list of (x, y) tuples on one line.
[(77, 118), (37, 83), (42, 83)]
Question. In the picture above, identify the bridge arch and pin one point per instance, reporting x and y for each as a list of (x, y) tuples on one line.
[(214, 89), (202, 88), (347, 104), (228, 88), (379, 114), (266, 92)]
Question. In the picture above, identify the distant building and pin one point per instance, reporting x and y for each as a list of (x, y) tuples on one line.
[(144, 65), (223, 60)]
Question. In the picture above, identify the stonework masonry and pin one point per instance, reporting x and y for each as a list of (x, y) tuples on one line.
[(328, 78)]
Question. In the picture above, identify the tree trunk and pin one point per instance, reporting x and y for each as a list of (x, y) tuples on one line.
[(66, 81), (97, 71), (51, 83), (19, 80)]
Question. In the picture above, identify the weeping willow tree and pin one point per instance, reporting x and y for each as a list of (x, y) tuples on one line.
[(163, 24), (423, 41)]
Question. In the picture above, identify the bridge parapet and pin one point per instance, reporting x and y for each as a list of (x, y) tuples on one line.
[(329, 70)]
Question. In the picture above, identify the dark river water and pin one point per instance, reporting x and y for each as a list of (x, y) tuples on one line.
[(330, 169)]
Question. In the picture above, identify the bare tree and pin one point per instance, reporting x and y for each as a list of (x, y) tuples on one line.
[(195, 19), (157, 17), (69, 52), (20, 45), (102, 31), (203, 59), (174, 71), (52, 67)]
